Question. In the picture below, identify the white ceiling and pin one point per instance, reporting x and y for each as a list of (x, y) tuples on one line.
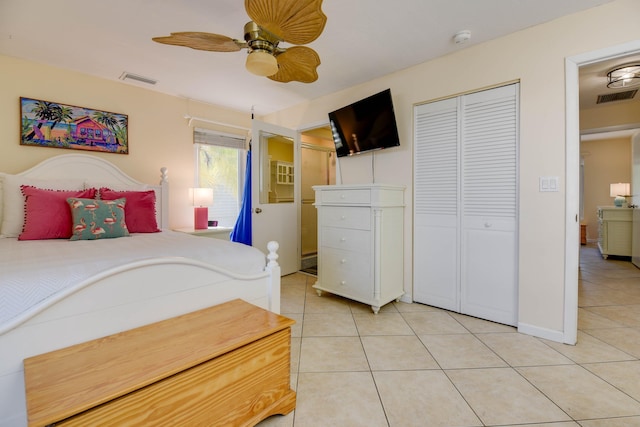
[(362, 40), (593, 81)]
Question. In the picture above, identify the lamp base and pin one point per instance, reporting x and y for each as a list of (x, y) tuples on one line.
[(200, 217), (620, 202)]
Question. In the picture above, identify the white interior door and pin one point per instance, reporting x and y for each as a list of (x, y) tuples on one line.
[(489, 204), (274, 200), (436, 261)]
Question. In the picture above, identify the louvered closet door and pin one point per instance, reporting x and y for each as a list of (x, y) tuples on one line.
[(436, 159), (465, 204), (489, 135)]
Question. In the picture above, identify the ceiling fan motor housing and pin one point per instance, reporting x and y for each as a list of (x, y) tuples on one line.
[(257, 38)]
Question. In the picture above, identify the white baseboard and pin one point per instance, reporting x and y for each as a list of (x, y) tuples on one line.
[(536, 331)]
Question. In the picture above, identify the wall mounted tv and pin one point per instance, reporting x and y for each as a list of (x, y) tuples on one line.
[(365, 125)]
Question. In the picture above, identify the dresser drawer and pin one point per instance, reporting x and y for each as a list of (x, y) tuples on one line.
[(347, 217), (346, 196), (346, 239), (347, 273), (617, 214)]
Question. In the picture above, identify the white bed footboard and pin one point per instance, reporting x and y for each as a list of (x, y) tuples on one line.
[(129, 296)]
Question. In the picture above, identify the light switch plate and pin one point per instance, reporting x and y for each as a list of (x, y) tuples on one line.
[(549, 183)]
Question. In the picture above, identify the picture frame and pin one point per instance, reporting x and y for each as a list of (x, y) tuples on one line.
[(52, 124)]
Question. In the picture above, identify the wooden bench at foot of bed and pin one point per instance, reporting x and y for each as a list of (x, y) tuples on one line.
[(225, 365)]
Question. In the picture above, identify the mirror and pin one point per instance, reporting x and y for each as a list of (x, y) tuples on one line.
[(276, 169)]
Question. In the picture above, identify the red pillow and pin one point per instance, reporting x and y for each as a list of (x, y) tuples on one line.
[(139, 211), (47, 214)]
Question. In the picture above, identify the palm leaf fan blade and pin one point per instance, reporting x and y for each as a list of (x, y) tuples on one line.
[(294, 21), (298, 63), (201, 41)]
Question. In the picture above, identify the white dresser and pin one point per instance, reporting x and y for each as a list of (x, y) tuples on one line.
[(361, 242), (614, 231)]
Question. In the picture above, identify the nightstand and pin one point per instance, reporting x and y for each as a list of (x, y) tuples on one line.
[(222, 233)]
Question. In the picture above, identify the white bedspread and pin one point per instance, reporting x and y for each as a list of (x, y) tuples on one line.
[(32, 271)]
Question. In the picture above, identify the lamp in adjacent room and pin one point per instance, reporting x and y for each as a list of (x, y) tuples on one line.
[(202, 199), (620, 191)]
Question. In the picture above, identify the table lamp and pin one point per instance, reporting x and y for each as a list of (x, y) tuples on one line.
[(620, 191), (202, 199)]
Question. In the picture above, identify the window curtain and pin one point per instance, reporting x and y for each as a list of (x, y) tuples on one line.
[(242, 230)]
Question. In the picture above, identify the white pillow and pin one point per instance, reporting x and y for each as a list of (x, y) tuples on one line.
[(13, 200)]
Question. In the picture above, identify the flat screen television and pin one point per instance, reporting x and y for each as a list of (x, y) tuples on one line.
[(365, 125)]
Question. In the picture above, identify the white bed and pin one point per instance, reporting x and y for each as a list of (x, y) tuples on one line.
[(111, 295)]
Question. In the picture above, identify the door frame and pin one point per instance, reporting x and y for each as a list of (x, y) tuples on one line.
[(572, 167)]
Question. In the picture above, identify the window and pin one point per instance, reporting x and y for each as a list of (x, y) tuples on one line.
[(220, 164)]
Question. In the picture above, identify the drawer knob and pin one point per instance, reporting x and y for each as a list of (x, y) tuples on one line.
[(343, 239), (343, 282), (343, 217), (343, 261), (487, 225), (342, 196)]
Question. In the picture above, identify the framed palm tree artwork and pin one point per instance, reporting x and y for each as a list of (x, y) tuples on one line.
[(51, 124)]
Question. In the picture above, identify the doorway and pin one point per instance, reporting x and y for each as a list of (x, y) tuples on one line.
[(318, 167), (572, 195)]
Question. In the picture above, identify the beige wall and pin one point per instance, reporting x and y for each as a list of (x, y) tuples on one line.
[(158, 133), (535, 57), (605, 161), (615, 114)]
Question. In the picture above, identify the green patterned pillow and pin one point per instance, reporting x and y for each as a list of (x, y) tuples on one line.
[(97, 219)]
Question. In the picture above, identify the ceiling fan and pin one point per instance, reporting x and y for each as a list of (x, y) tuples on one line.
[(296, 22)]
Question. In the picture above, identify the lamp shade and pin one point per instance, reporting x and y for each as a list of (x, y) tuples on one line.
[(202, 196), (619, 189)]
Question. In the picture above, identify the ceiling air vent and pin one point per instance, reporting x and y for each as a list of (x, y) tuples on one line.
[(618, 96), (128, 76)]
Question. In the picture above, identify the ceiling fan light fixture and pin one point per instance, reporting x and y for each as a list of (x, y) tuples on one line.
[(624, 77), (261, 63)]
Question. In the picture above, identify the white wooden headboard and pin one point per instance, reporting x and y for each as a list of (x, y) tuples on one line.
[(95, 169)]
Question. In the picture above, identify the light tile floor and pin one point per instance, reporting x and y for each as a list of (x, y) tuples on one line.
[(415, 365)]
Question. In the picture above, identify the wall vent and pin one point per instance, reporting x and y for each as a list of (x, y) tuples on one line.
[(129, 76), (618, 96)]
